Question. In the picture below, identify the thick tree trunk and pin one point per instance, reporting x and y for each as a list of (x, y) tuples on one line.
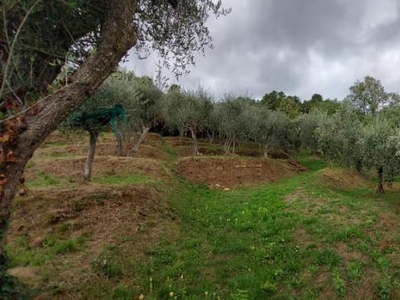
[(87, 174), (135, 148), (124, 137), (379, 188), (32, 127)]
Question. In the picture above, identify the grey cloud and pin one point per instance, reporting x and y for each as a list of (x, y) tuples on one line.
[(299, 47)]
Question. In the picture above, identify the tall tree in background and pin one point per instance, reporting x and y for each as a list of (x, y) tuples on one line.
[(314, 102), (369, 95), (273, 99), (39, 38), (290, 105)]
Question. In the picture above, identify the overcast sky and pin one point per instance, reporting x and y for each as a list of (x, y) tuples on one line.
[(300, 47)]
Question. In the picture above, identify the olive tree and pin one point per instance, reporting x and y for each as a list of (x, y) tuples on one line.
[(39, 38), (232, 127), (269, 128), (175, 109), (365, 145), (188, 111), (308, 124), (145, 108), (378, 144), (337, 137)]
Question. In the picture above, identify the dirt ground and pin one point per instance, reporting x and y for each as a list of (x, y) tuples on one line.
[(226, 173)]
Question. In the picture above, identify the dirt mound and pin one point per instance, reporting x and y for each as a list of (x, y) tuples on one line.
[(175, 141), (71, 169), (134, 218), (226, 173), (146, 150), (90, 209), (341, 178)]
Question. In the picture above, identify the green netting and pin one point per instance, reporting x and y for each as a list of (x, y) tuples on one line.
[(94, 121)]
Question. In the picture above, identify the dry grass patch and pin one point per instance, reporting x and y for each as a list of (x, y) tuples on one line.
[(130, 218), (341, 179), (67, 171)]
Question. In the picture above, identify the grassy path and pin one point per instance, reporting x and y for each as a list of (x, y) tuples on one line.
[(287, 240)]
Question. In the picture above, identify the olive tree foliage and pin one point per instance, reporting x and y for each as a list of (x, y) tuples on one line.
[(40, 37), (337, 137), (366, 145), (199, 117), (273, 130), (378, 144), (308, 124), (141, 100), (97, 114), (188, 111), (232, 121), (213, 122), (175, 109), (144, 110)]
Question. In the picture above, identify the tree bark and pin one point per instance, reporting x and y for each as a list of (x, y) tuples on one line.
[(266, 151), (87, 175), (195, 144), (32, 127), (227, 146), (135, 148), (180, 136), (379, 189)]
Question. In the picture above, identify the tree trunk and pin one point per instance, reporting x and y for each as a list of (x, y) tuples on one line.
[(195, 144), (379, 188), (124, 137), (22, 134), (87, 175), (227, 146), (210, 137), (121, 144), (266, 151), (135, 148)]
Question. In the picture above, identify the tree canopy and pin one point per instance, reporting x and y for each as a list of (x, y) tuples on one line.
[(369, 96)]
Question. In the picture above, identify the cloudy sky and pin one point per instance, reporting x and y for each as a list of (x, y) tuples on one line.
[(300, 47)]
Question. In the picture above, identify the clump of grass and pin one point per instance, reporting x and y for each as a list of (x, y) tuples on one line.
[(44, 180), (113, 179)]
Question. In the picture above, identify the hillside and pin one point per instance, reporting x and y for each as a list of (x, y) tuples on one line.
[(165, 225)]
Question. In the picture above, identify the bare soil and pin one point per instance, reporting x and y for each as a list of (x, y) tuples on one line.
[(227, 173)]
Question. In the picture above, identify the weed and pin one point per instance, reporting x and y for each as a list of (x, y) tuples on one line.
[(354, 271), (121, 180), (104, 265), (338, 283), (62, 247), (383, 290)]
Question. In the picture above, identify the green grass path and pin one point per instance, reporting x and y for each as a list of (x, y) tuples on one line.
[(265, 242)]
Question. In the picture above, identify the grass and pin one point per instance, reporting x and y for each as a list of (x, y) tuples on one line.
[(293, 239), (121, 180)]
